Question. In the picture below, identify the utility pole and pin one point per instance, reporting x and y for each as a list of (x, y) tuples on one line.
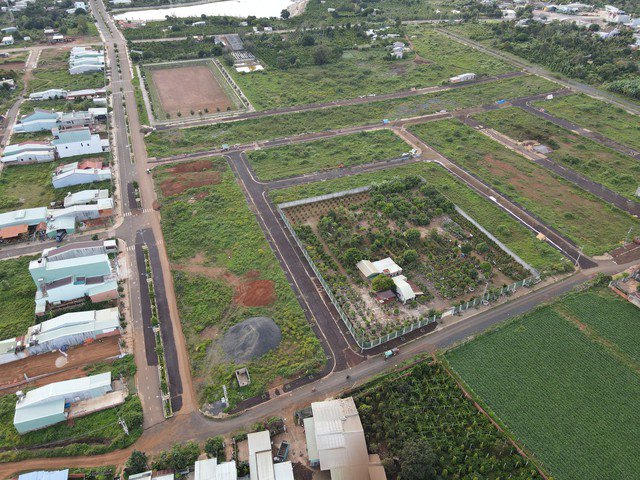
[(123, 424)]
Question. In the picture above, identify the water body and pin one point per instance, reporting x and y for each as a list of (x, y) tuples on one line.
[(232, 8)]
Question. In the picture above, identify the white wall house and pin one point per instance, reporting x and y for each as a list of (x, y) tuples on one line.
[(78, 141), (8, 40), (28, 152), (50, 94), (79, 173), (37, 121), (404, 292)]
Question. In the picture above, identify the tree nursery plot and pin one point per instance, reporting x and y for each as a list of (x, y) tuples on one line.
[(601, 164), (425, 405), (518, 238), (297, 159), (444, 259), (225, 273), (601, 117), (562, 394), (588, 221), (187, 140)]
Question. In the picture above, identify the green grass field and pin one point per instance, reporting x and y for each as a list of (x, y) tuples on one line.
[(297, 159), (518, 238), (601, 117), (555, 201), (214, 244), (601, 164), (165, 143), (17, 297), (565, 396)]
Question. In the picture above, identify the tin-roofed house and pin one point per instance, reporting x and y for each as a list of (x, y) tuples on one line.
[(45, 475), (261, 466), (37, 121), (79, 173), (210, 469), (28, 152), (78, 141), (85, 197)]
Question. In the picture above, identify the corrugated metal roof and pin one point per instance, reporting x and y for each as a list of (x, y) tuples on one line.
[(257, 442), (74, 324), (13, 231), (85, 196), (310, 434), (29, 216), (283, 471), (264, 466), (72, 136), (43, 395), (45, 475)]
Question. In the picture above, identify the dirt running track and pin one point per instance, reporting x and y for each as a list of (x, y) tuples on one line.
[(44, 366)]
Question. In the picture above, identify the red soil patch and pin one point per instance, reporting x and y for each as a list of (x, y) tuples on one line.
[(256, 293), (185, 181)]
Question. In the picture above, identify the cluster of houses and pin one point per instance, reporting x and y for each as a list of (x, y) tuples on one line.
[(41, 120), (397, 50), (85, 60), (99, 95), (404, 291), (66, 143)]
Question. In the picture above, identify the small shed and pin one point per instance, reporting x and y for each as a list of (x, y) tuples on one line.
[(385, 297), (367, 268), (387, 267)]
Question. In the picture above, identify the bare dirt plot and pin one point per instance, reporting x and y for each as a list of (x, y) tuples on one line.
[(190, 175), (195, 87), (256, 293)]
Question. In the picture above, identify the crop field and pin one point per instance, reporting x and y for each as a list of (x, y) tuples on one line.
[(53, 72), (444, 258), (165, 143), (557, 202), (601, 117), (188, 89), (225, 272), (360, 68), (17, 297), (601, 164), (559, 389), (297, 159), (28, 186), (518, 238), (434, 410), (91, 435)]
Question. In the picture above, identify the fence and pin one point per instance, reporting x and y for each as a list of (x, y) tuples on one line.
[(359, 338)]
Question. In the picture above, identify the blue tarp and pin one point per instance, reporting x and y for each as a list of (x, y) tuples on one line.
[(44, 475)]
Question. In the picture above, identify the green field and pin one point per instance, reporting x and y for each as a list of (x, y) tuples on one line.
[(562, 393), (297, 159), (215, 243), (17, 297), (424, 404), (53, 72), (601, 117), (513, 234), (555, 201), (362, 69), (186, 140), (28, 186), (601, 164)]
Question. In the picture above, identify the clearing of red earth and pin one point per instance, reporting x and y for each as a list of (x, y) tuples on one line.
[(256, 293), (184, 181), (195, 87)]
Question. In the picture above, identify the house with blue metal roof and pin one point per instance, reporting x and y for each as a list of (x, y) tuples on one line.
[(78, 141), (37, 121)]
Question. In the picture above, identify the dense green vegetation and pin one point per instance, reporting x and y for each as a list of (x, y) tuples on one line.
[(425, 405), (176, 50), (17, 293), (557, 202), (165, 143), (569, 49), (601, 164), (601, 117), (558, 389), (500, 224), (214, 243), (91, 435), (290, 160)]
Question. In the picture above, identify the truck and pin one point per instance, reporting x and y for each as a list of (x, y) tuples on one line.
[(283, 452), (391, 353)]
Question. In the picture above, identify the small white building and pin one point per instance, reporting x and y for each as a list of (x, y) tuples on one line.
[(85, 197), (367, 269), (51, 94), (210, 469), (387, 267), (404, 292), (79, 173), (28, 152), (261, 464), (78, 141), (39, 120), (463, 77), (8, 40)]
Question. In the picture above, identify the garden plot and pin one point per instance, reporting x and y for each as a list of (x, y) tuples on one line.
[(443, 258), (188, 89)]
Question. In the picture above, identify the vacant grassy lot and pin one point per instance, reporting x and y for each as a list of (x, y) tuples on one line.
[(562, 394), (91, 435), (218, 251), (27, 186), (291, 160), (365, 68), (598, 116), (53, 72), (518, 238), (601, 164), (435, 410), (165, 143), (582, 217), (17, 293)]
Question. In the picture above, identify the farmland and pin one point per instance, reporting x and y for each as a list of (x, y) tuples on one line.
[(17, 293), (443, 256), (353, 66), (309, 157), (558, 388), (521, 240), (556, 201), (601, 164), (425, 405), (188, 89), (91, 435), (601, 117), (53, 72), (164, 143), (225, 272)]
